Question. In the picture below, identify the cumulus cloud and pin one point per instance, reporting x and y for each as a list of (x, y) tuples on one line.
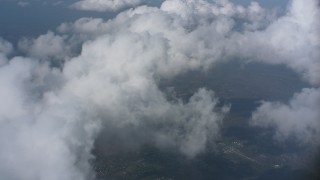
[(293, 40), (112, 83), (38, 139), (85, 26), (105, 5), (200, 33), (51, 118), (196, 31), (46, 46), (5, 46), (299, 118), (107, 83), (123, 87), (5, 49)]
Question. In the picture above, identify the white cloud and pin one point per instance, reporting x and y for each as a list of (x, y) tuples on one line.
[(50, 117), (111, 84), (46, 46), (293, 40), (39, 136), (5, 46), (200, 33), (122, 86), (299, 118), (94, 26), (53, 126), (105, 5)]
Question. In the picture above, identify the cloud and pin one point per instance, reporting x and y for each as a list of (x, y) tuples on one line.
[(122, 87), (5, 46), (37, 138), (23, 3), (105, 5), (51, 118), (196, 31), (299, 118), (293, 39), (46, 46), (95, 26), (107, 82), (200, 33)]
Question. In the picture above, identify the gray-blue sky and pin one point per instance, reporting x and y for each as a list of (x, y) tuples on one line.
[(266, 3), (37, 18)]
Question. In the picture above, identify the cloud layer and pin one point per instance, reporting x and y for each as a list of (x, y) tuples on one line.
[(299, 118), (97, 77), (105, 5), (293, 40)]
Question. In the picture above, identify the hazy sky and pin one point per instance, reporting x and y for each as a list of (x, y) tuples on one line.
[(36, 17), (269, 3)]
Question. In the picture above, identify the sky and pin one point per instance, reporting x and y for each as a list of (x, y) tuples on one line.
[(66, 79), (32, 18)]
